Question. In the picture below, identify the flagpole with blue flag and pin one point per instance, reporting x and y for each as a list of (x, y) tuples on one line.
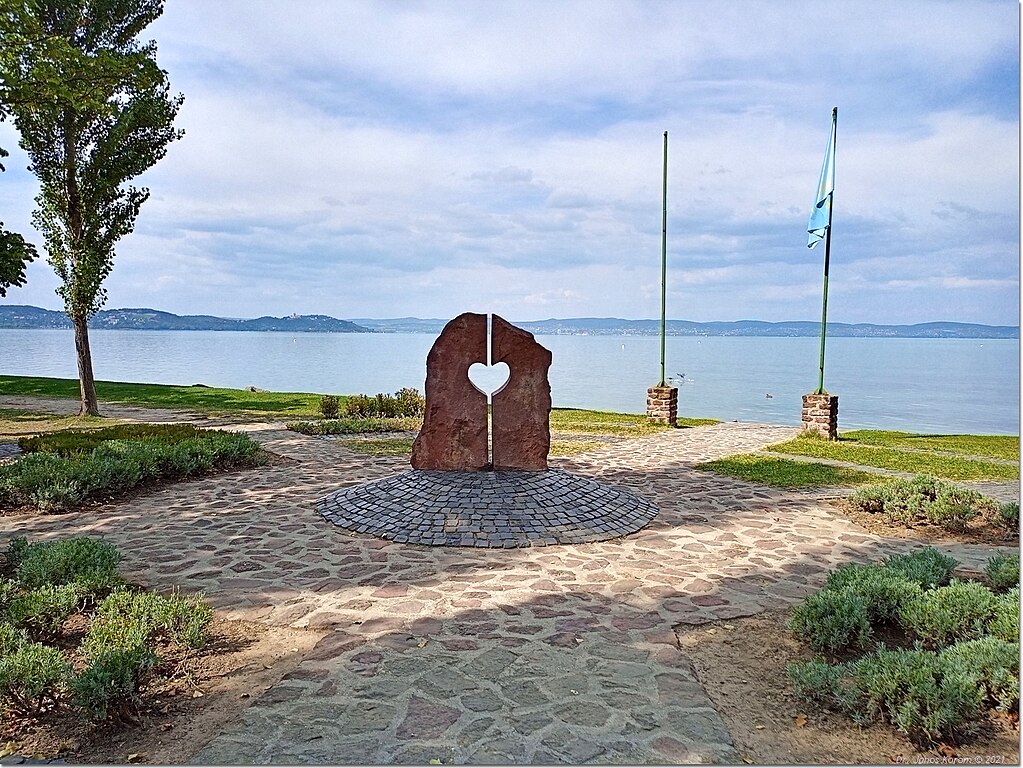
[(819, 227)]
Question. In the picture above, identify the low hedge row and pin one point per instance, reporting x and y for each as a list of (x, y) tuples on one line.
[(64, 472)]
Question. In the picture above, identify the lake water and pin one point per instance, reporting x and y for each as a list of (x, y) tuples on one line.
[(925, 385)]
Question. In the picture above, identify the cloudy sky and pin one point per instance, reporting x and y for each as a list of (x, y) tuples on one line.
[(368, 159)]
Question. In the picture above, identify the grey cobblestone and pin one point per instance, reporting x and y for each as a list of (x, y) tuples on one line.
[(488, 509)]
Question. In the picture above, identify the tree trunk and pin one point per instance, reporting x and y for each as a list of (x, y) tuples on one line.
[(90, 405)]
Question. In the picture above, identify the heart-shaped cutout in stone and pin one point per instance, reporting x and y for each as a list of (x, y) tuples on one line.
[(489, 379)]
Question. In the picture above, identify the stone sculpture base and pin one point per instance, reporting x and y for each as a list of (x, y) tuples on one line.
[(662, 405), (820, 414), (495, 510)]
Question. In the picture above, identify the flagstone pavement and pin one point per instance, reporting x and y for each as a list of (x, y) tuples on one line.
[(559, 654)]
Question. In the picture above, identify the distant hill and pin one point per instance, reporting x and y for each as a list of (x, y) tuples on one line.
[(20, 316), (614, 326)]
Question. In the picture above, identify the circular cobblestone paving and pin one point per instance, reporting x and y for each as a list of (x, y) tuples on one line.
[(488, 509)]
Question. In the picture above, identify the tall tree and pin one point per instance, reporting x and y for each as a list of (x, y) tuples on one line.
[(93, 111)]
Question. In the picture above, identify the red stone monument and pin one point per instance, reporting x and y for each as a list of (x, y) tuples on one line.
[(522, 407), (454, 433)]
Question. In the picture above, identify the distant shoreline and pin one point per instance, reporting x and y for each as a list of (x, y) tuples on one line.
[(23, 317)]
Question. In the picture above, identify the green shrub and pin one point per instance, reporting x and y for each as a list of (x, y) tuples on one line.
[(113, 680), (918, 693), (954, 507), (72, 441), (831, 620), (55, 482), (43, 611), (827, 684), (923, 499), (355, 426), (898, 500), (411, 403), (1003, 571), (16, 549), (30, 676), (8, 591), (11, 638), (882, 591), (1008, 517), (405, 403), (87, 562), (926, 566), (330, 406), (947, 614), (993, 664), (127, 619), (1004, 623)]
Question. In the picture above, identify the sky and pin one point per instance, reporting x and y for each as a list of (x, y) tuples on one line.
[(374, 160)]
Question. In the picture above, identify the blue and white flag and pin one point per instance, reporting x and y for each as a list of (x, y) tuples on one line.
[(820, 214)]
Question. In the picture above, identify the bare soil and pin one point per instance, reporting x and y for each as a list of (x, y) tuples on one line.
[(193, 698), (741, 664)]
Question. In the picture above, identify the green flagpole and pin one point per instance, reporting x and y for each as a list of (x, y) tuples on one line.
[(664, 252), (827, 258)]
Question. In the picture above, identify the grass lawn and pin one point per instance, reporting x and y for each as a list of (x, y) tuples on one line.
[(289, 405), (19, 423), (950, 463), (993, 446), (209, 400), (786, 473), (578, 421)]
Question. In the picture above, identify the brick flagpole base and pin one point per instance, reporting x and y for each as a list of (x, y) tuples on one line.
[(820, 414), (662, 405)]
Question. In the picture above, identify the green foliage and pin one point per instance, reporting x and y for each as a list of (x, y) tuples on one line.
[(411, 403), (30, 676), (113, 681), (958, 611), (923, 499), (1004, 623), (1008, 517), (992, 664), (785, 473), (918, 693), (89, 563), (43, 611), (127, 619), (831, 620), (71, 441), (353, 426), (926, 566), (15, 255), (405, 403), (1003, 571), (884, 592), (826, 684), (52, 482), (329, 406), (11, 638)]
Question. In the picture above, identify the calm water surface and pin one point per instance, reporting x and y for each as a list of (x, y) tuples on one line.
[(930, 385)]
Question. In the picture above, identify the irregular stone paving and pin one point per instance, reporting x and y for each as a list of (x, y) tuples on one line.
[(487, 509), (562, 654)]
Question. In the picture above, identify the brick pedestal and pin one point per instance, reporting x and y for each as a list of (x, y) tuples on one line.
[(662, 405), (820, 414)]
